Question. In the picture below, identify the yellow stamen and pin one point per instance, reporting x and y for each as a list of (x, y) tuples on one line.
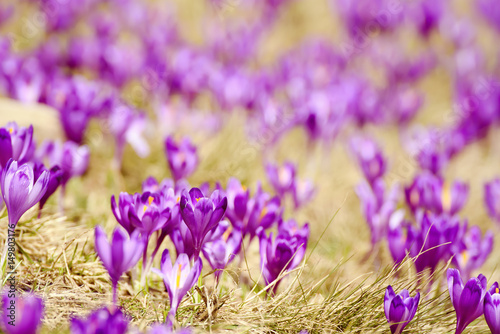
[(178, 199), (197, 200), (465, 256), (11, 130), (178, 282), (144, 208), (497, 290), (263, 212), (226, 234), (446, 198), (150, 200)]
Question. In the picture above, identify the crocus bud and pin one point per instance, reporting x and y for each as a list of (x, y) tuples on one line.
[(120, 255), (21, 315), (55, 180), (179, 278), (182, 157), (492, 308), (467, 300), (201, 215), (20, 189), (100, 321), (399, 308)]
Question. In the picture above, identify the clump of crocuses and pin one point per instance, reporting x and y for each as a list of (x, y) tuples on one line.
[(21, 315), (399, 308)]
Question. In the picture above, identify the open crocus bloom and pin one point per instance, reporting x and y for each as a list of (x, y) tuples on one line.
[(179, 278)]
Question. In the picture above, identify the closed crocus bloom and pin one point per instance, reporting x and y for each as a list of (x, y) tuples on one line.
[(303, 192), (492, 308), (17, 143), (20, 189), (182, 157), (119, 255), (399, 308), (492, 199), (201, 215), (282, 178), (283, 253), (369, 157), (21, 315), (467, 300), (55, 180), (179, 278), (100, 321)]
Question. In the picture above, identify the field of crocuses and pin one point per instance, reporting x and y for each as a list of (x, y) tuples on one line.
[(249, 166)]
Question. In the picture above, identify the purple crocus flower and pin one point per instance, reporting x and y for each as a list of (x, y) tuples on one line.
[(220, 252), (100, 321), (467, 300), (432, 241), (20, 189), (369, 157), (118, 256), (282, 178), (492, 199), (492, 308), (71, 158), (21, 315), (55, 180), (399, 308), (430, 192), (179, 278), (127, 126), (147, 212), (377, 207), (16, 143), (248, 213), (303, 192), (201, 215), (182, 157), (472, 250), (283, 253)]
